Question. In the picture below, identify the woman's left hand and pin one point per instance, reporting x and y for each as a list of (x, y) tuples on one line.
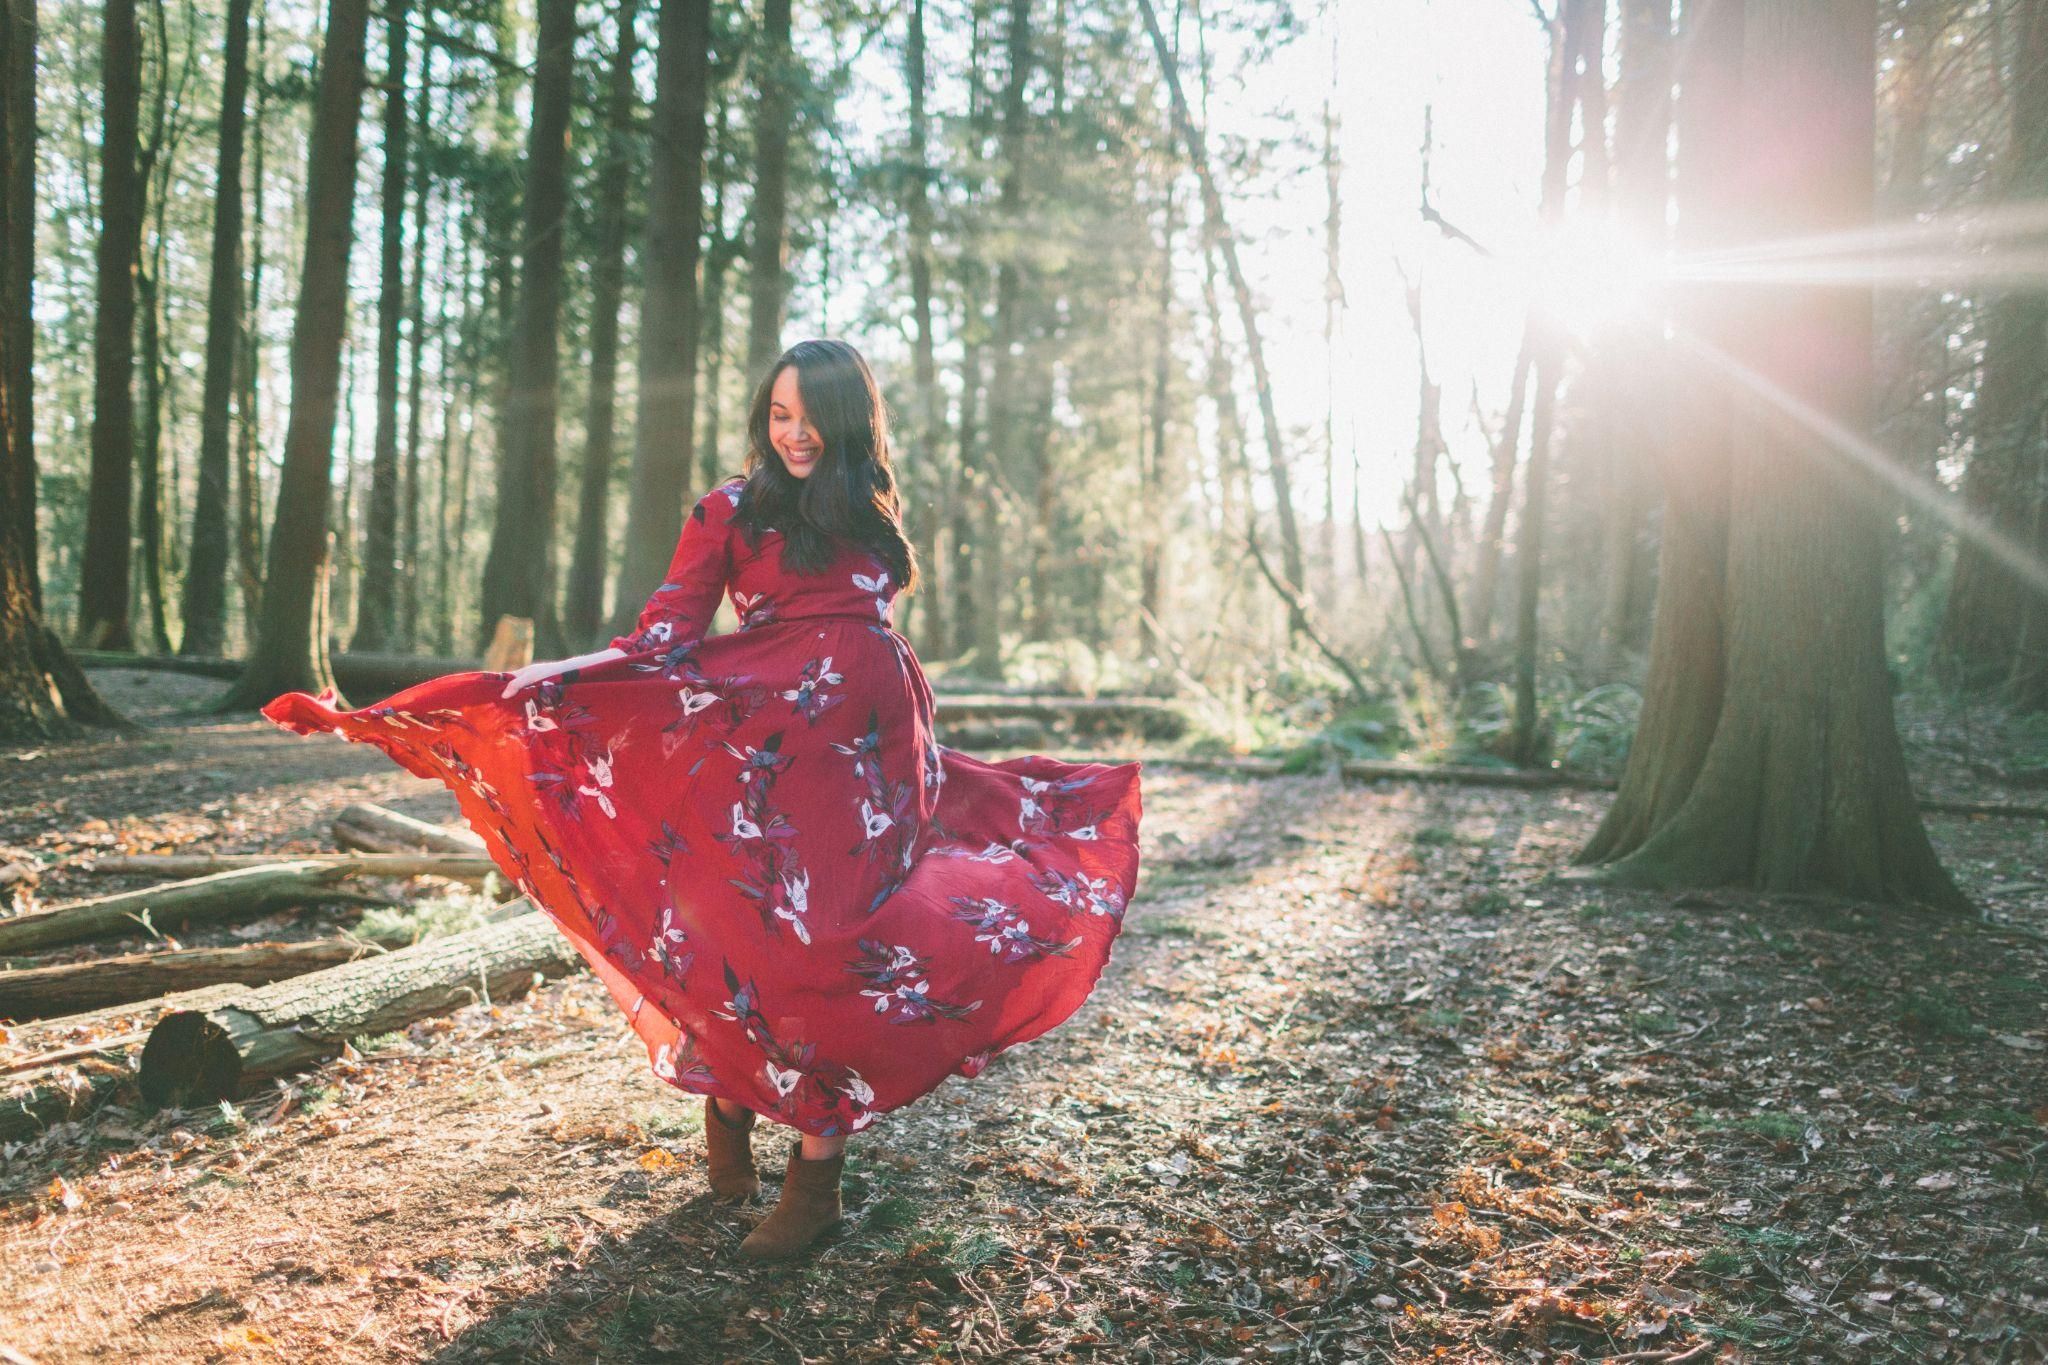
[(533, 673)]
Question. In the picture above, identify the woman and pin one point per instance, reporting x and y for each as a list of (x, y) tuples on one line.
[(807, 906)]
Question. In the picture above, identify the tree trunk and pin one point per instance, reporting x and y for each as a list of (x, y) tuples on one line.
[(375, 607), (43, 694), (241, 894), (206, 574), (1001, 454), (103, 589), (290, 650), (407, 632), (248, 378), (583, 605), (1479, 612), (17, 276), (1802, 785), (519, 569), (665, 416), (768, 284), (203, 1056), (40, 992), (927, 498), (2002, 488), (1248, 319)]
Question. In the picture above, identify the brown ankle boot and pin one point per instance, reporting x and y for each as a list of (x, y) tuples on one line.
[(808, 1209), (728, 1155)]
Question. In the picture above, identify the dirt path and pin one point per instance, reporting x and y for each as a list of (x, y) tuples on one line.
[(1362, 1081)]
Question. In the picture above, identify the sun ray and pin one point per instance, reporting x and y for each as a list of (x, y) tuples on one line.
[(1872, 459)]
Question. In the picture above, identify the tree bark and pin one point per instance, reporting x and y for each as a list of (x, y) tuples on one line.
[(202, 1056), (768, 283), (206, 573), (378, 830), (519, 571), (1248, 319), (583, 607), (2003, 486), (375, 609), (103, 589), (40, 992), (927, 484), (665, 416), (1802, 785), (227, 895), (290, 651), (43, 693)]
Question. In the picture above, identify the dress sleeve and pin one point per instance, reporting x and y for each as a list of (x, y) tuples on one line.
[(681, 609)]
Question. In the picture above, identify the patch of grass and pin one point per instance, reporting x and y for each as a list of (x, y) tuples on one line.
[(1436, 836), (976, 1249), (1489, 903), (1769, 1238), (1776, 1127), (1586, 1118), (1652, 1021), (397, 926), (1443, 1018), (890, 1214), (1937, 1013), (1722, 1261), (1176, 926)]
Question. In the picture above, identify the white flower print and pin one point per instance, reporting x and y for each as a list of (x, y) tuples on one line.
[(694, 701), (797, 891), (877, 584), (536, 723), (872, 820), (783, 1079), (600, 770), (1086, 831), (742, 827)]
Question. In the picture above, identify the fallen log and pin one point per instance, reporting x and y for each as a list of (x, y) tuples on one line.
[(53, 1083), (375, 829), (365, 676), (200, 1056), (1151, 717), (224, 895), (67, 988), (458, 867)]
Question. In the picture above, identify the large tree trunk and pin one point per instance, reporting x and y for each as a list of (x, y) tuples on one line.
[(103, 593), (375, 608), (768, 282), (1642, 174), (519, 569), (1802, 785), (43, 694), (1979, 641), (290, 650), (583, 600), (665, 416), (17, 275), (206, 573)]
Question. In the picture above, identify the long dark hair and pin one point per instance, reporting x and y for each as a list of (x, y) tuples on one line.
[(850, 496)]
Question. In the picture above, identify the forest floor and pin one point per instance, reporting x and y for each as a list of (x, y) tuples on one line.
[(1365, 1080)]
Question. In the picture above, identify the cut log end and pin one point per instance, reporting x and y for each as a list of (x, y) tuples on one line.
[(189, 1060)]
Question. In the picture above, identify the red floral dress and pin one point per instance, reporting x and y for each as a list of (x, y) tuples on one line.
[(803, 901)]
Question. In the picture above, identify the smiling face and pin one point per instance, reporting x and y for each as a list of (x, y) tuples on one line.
[(790, 430)]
